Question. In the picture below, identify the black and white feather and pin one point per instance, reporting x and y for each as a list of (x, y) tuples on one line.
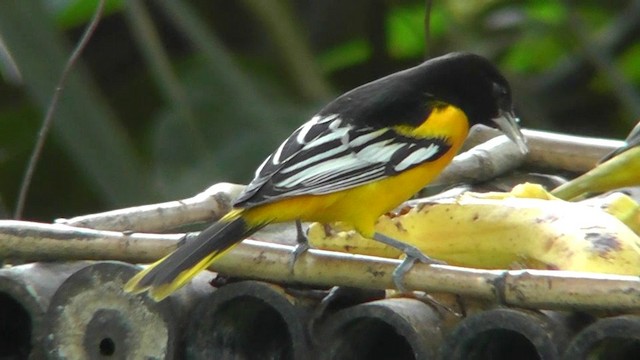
[(328, 154), (351, 141)]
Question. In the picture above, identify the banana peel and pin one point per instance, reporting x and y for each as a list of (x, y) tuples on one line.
[(525, 228), (620, 205), (618, 172)]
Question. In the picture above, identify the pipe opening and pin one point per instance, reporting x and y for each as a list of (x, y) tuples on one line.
[(368, 338), (615, 348), (248, 328), (500, 344), (107, 347), (15, 329)]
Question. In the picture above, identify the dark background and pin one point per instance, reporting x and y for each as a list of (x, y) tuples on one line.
[(172, 96)]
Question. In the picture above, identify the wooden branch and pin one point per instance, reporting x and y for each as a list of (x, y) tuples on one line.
[(552, 150), (32, 241), (206, 206), (265, 261), (483, 162)]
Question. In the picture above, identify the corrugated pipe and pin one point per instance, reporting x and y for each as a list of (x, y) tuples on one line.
[(382, 329), (90, 317), (249, 320), (25, 293), (610, 338), (504, 333)]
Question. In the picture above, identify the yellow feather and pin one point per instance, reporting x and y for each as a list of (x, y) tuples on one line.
[(159, 292)]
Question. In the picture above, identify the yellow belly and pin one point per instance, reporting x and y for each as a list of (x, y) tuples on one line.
[(361, 206)]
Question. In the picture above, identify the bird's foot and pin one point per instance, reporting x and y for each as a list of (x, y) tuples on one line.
[(412, 254), (301, 248)]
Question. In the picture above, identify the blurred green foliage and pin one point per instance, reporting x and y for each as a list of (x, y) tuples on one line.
[(70, 13), (405, 30), (173, 96)]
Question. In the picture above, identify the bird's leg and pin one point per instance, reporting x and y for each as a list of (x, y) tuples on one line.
[(301, 247), (411, 255)]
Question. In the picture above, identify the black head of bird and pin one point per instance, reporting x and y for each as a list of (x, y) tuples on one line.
[(467, 81)]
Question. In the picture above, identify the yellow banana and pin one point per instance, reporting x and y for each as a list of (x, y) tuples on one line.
[(502, 230), (620, 205), (342, 238)]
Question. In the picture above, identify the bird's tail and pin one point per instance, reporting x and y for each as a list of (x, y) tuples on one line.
[(173, 271)]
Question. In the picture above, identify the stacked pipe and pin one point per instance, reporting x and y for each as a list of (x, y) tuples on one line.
[(249, 319), (25, 294), (88, 316)]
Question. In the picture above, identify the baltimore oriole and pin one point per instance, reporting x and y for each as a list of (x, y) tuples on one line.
[(359, 157)]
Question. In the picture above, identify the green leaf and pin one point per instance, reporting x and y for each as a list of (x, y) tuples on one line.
[(71, 13), (344, 56), (629, 63), (548, 12), (534, 53), (405, 31)]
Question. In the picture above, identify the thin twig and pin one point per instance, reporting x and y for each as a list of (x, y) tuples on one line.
[(53, 105), (8, 67)]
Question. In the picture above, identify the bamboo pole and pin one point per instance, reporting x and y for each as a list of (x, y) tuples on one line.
[(556, 151), (206, 206), (266, 261)]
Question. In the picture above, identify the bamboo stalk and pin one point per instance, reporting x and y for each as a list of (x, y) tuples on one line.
[(56, 242), (557, 151), (484, 161), (265, 261), (206, 206)]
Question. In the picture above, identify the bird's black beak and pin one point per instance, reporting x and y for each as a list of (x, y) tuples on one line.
[(508, 123)]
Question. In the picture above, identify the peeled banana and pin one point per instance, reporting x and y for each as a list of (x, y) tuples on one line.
[(525, 228)]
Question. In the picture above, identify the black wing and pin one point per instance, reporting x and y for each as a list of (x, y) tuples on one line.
[(328, 154)]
